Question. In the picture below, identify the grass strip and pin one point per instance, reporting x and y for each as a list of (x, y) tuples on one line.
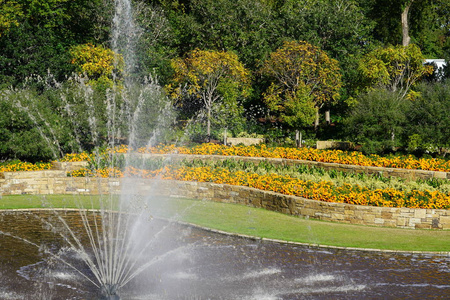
[(273, 225), (265, 224), (51, 201)]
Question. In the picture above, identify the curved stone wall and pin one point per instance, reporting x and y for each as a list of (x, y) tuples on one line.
[(302, 207), (56, 182)]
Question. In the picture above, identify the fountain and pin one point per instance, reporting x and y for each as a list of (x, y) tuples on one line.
[(113, 251), (125, 251)]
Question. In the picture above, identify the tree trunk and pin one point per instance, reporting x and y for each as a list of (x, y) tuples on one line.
[(208, 125), (316, 122), (225, 137), (393, 139), (327, 117), (405, 24), (298, 139)]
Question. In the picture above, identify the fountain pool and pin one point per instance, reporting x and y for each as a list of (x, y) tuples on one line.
[(207, 265)]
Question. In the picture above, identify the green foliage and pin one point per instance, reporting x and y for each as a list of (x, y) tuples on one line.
[(156, 44), (430, 27), (338, 27), (59, 118), (217, 78), (153, 117), (302, 80), (247, 27), (386, 16), (428, 22), (429, 119), (378, 121), (40, 33), (97, 62), (414, 142), (302, 66), (20, 135), (37, 37), (10, 13), (394, 68), (32, 50), (298, 110)]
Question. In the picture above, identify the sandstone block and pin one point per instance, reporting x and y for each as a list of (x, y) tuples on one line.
[(423, 226), (386, 214), (349, 212), (378, 221), (420, 213), (390, 223), (445, 221), (369, 218), (336, 216), (413, 221)]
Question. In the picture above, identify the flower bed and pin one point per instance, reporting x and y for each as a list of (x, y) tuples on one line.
[(25, 166), (322, 191), (331, 156)]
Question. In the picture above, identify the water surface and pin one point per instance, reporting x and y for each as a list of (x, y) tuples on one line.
[(206, 265)]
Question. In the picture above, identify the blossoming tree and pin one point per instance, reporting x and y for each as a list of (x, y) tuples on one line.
[(212, 77)]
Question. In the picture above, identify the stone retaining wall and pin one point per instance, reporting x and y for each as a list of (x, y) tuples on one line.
[(54, 182), (57, 182), (244, 141), (298, 206), (333, 145)]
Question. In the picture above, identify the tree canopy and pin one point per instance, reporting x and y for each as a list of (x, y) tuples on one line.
[(97, 62), (395, 68), (300, 65), (211, 76)]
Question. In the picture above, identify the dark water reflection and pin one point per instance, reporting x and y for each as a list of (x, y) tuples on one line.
[(213, 266)]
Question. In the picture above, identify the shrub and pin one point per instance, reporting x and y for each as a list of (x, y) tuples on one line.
[(429, 119), (378, 121)]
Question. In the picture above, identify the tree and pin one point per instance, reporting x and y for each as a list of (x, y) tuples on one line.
[(301, 69), (35, 36), (297, 111), (430, 28), (246, 26), (156, 41), (97, 62), (395, 68), (212, 77), (25, 130), (424, 23), (336, 26)]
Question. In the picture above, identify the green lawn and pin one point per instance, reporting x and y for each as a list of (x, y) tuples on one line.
[(264, 224)]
